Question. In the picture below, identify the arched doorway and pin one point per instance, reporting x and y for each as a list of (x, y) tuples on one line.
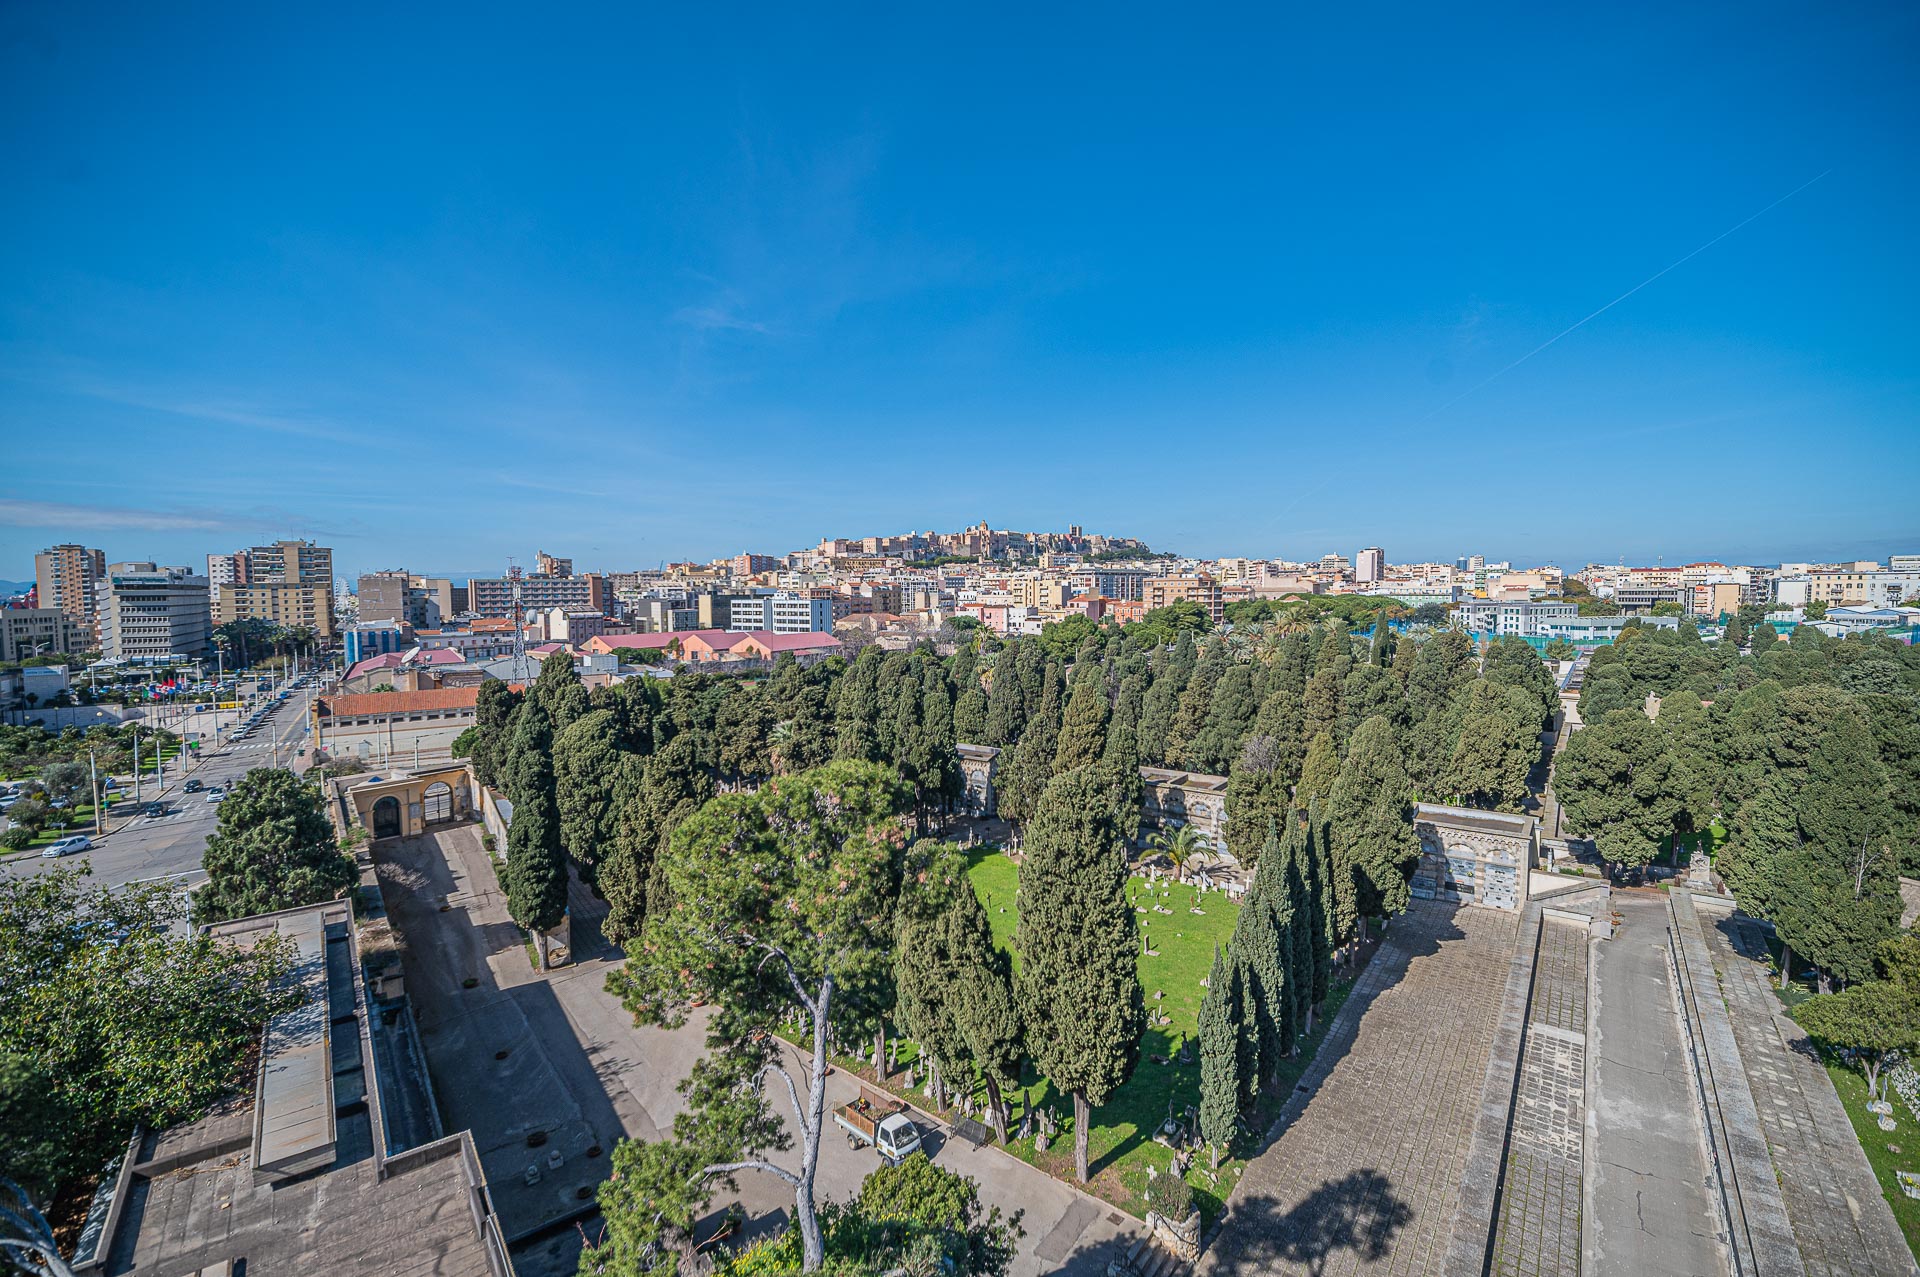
[(436, 804), (386, 817)]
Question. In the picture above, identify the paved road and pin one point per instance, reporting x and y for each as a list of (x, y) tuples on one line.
[(577, 1070), (141, 848), (1650, 1212)]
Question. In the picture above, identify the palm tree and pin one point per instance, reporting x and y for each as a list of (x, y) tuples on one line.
[(778, 742), (1183, 845)]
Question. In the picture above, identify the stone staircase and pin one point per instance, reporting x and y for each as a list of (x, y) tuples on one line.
[(1147, 1258)]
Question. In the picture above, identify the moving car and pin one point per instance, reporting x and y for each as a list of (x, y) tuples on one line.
[(155, 809), (68, 846), (215, 795), (192, 786)]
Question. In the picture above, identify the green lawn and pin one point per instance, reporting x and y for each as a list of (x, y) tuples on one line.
[(1121, 1146), (1880, 1146)]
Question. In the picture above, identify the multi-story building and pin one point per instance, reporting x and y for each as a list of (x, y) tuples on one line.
[(1712, 599), (494, 596), (545, 564), (1371, 565), (40, 631), (1335, 565), (376, 638), (1512, 616), (1847, 587), (419, 601), (781, 614), (150, 613), (753, 564), (1903, 563), (70, 578), (1634, 596), (287, 562), (222, 570), (1163, 591), (1110, 583), (278, 603)]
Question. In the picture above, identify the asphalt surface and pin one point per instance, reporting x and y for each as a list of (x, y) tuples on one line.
[(139, 848), (1650, 1213)]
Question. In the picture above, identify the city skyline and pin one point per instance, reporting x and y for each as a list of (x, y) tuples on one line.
[(679, 294)]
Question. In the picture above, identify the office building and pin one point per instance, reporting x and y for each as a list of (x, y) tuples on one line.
[(494, 596), (151, 613), (781, 614), (1371, 565), (69, 577), (40, 631)]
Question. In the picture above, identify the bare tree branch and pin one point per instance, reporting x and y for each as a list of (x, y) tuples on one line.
[(727, 1168)]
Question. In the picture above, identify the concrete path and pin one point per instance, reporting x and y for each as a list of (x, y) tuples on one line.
[(1649, 1211), (1840, 1217), (1366, 1175)]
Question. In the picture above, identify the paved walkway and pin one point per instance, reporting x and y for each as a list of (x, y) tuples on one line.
[(1650, 1213), (1840, 1219), (1539, 1212), (1365, 1177)]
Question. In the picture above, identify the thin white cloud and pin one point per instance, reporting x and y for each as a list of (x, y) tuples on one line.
[(216, 411), (49, 514), (720, 319)]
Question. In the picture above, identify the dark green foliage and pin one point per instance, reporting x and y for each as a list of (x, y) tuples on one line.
[(1321, 769), (1258, 796), (1220, 1056), (1614, 780), (273, 849), (1119, 772), (113, 1012), (1229, 719), (1006, 713), (492, 724), (1031, 765), (1156, 719), (856, 710), (536, 871), (1370, 810), (1078, 988), (1083, 730), (1196, 702), (586, 762), (1496, 744)]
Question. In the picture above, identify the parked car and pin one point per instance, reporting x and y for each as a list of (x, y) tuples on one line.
[(68, 846)]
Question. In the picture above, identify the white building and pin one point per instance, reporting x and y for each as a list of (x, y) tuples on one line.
[(150, 613), (1370, 564), (781, 614), (1522, 616)]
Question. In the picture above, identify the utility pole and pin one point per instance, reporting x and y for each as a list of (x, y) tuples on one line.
[(93, 772), (136, 760)]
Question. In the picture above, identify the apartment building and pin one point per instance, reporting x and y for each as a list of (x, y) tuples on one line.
[(422, 602), (1849, 587), (287, 562), (277, 603), (1163, 591), (40, 631), (545, 564), (69, 577), (150, 612), (1521, 617), (753, 564), (1110, 583), (1370, 565)]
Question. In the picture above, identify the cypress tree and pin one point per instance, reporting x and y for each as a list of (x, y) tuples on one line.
[(1258, 795), (1252, 936), (1031, 765), (1119, 772), (1078, 985), (536, 873), (493, 727), (1274, 966), (586, 762), (856, 710), (970, 716), (982, 995), (1156, 719), (1129, 702), (1220, 1085), (1319, 864), (924, 967), (1301, 962), (1229, 719), (1336, 651), (1321, 704), (1381, 653), (1005, 715), (1196, 702), (1083, 731), (1371, 812), (1321, 769)]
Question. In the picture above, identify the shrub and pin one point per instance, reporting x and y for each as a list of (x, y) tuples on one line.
[(16, 839), (1170, 1196)]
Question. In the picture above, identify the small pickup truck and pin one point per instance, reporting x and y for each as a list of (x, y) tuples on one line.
[(881, 1121)]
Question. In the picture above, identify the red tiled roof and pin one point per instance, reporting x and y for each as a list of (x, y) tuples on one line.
[(605, 643), (807, 642), (366, 703)]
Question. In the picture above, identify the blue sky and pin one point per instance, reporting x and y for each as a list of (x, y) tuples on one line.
[(440, 286)]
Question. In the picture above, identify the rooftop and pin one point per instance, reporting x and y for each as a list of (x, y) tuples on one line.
[(361, 704)]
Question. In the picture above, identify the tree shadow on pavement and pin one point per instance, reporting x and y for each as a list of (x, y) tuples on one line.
[(1353, 1218)]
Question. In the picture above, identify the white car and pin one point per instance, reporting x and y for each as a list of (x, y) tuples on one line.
[(215, 795), (68, 846)]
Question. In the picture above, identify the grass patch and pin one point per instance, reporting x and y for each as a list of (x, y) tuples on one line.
[(1879, 1146)]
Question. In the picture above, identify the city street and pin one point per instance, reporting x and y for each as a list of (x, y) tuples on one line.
[(139, 848)]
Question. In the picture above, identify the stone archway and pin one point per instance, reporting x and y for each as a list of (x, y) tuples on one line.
[(436, 804), (386, 817)]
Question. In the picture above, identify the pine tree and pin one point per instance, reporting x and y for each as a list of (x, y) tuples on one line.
[(1220, 1085), (1083, 732), (1078, 985), (1321, 769), (1370, 810)]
